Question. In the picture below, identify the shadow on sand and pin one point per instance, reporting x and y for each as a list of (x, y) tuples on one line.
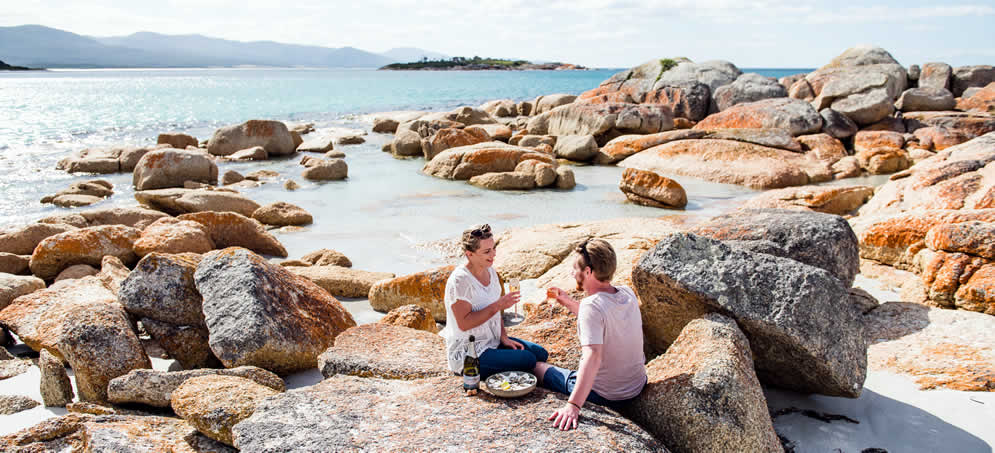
[(824, 424)]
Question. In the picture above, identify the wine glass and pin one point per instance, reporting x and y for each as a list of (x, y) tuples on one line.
[(515, 284)]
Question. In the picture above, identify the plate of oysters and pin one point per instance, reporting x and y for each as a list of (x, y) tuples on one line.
[(511, 384)]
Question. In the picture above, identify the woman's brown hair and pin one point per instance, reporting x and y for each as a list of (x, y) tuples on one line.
[(472, 237)]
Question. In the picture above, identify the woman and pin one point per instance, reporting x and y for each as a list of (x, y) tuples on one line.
[(473, 307)]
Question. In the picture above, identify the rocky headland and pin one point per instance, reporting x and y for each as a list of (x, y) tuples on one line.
[(480, 64), (769, 295), (7, 67)]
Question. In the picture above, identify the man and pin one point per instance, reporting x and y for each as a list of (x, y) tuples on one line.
[(612, 366)]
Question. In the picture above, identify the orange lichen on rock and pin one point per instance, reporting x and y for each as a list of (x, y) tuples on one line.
[(83, 246), (823, 146), (981, 101), (452, 137), (943, 273), (868, 140), (170, 235), (37, 318), (896, 240), (974, 374), (973, 237), (607, 94), (839, 200), (883, 160), (426, 289), (651, 189), (412, 316), (940, 138), (230, 229), (938, 348), (257, 128), (627, 145), (553, 327), (731, 162), (978, 293)]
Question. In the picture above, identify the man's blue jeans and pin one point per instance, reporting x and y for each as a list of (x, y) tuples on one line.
[(503, 358)]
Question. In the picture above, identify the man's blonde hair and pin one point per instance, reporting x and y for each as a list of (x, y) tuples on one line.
[(599, 255)]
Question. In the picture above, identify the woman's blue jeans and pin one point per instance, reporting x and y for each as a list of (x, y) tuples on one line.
[(503, 358)]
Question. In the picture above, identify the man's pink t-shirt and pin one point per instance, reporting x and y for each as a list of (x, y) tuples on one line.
[(614, 321)]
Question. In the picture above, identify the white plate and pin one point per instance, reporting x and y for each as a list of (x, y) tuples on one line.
[(511, 384)]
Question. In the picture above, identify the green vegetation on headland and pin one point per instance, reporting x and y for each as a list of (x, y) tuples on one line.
[(476, 64), (7, 67)]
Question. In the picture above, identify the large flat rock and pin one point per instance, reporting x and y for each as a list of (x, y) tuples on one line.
[(385, 351), (177, 201), (732, 162), (348, 412)]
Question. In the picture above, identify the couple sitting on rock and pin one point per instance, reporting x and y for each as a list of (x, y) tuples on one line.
[(612, 367)]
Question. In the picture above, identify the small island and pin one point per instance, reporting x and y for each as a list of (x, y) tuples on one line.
[(7, 67), (479, 64)]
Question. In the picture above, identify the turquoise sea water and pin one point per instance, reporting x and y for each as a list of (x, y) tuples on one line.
[(382, 216)]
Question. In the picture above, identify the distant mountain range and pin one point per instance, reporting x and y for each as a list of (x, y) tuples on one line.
[(39, 46)]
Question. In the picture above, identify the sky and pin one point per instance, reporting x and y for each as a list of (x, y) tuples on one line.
[(607, 33)]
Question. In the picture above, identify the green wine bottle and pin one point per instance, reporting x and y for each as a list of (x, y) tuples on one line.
[(471, 370)]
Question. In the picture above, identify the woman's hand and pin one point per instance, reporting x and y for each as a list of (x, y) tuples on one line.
[(566, 417), (511, 343), (508, 300)]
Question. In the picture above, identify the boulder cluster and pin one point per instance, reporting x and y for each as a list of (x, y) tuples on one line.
[(937, 220), (762, 295), (862, 113), (163, 174), (469, 144)]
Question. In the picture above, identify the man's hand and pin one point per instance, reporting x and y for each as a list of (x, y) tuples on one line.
[(566, 417), (511, 343), (563, 298), (558, 295)]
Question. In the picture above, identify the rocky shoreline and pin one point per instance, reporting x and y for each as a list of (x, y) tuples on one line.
[(762, 297)]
